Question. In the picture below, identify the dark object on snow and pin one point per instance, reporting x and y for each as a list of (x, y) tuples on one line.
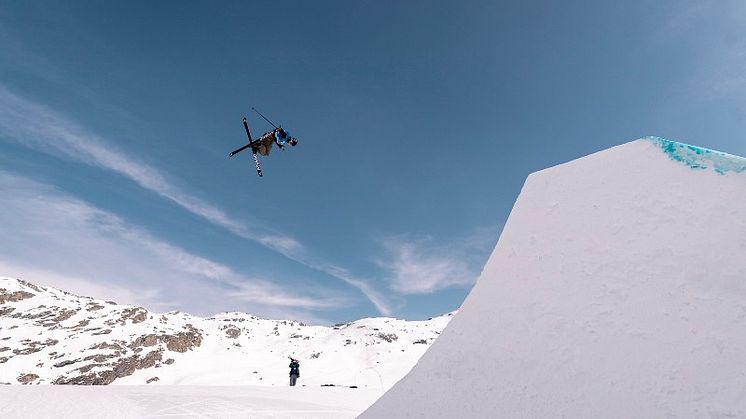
[(294, 371)]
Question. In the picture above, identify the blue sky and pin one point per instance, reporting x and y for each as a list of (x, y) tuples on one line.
[(418, 123)]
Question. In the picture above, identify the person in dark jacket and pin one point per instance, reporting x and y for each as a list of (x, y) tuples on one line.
[(294, 370)]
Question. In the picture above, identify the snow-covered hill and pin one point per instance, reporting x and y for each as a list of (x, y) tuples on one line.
[(51, 336)]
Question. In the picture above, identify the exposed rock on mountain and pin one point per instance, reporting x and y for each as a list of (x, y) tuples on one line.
[(51, 336)]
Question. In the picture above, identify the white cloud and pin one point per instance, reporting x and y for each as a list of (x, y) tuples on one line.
[(420, 265), (150, 298), (374, 296), (720, 60), (40, 128), (54, 239)]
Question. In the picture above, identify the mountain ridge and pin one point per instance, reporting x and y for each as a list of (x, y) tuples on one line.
[(50, 336)]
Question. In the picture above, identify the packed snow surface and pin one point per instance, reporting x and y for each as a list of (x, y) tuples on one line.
[(617, 289), (94, 402)]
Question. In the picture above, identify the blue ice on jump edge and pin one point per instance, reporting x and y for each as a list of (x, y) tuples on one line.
[(700, 157)]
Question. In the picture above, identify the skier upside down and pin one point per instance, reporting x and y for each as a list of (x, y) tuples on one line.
[(263, 144), (278, 136)]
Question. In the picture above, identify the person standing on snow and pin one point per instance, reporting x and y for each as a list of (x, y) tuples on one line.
[(294, 370)]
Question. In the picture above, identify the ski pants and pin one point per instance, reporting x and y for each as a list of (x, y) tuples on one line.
[(265, 145), (292, 379)]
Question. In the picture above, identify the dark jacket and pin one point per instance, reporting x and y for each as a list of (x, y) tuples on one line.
[(295, 368)]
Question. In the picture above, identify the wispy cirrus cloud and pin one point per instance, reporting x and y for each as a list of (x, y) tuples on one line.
[(77, 247), (420, 265), (39, 127), (718, 57)]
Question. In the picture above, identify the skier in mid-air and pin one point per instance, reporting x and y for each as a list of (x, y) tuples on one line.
[(278, 136), (263, 145)]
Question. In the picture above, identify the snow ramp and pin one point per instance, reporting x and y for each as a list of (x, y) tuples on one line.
[(617, 289)]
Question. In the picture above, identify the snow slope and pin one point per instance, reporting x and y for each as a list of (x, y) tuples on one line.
[(50, 336), (97, 402), (617, 289)]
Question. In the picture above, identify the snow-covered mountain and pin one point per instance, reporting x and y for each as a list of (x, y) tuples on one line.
[(51, 336)]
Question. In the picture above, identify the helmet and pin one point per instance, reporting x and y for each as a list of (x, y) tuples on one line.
[(293, 141)]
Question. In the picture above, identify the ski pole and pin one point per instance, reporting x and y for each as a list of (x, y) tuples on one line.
[(265, 118)]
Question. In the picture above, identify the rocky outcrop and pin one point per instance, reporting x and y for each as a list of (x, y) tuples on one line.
[(100, 378), (81, 324), (65, 363), (184, 341), (106, 345), (93, 307), (137, 315), (388, 337), (32, 347), (122, 368), (145, 340), (233, 332), (32, 286), (180, 342), (27, 378), (6, 296), (66, 314)]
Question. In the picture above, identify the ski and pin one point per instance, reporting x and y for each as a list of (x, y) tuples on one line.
[(250, 144), (248, 133), (234, 152), (263, 145), (258, 168)]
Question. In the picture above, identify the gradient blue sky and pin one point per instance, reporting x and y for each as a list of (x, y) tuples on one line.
[(418, 123)]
